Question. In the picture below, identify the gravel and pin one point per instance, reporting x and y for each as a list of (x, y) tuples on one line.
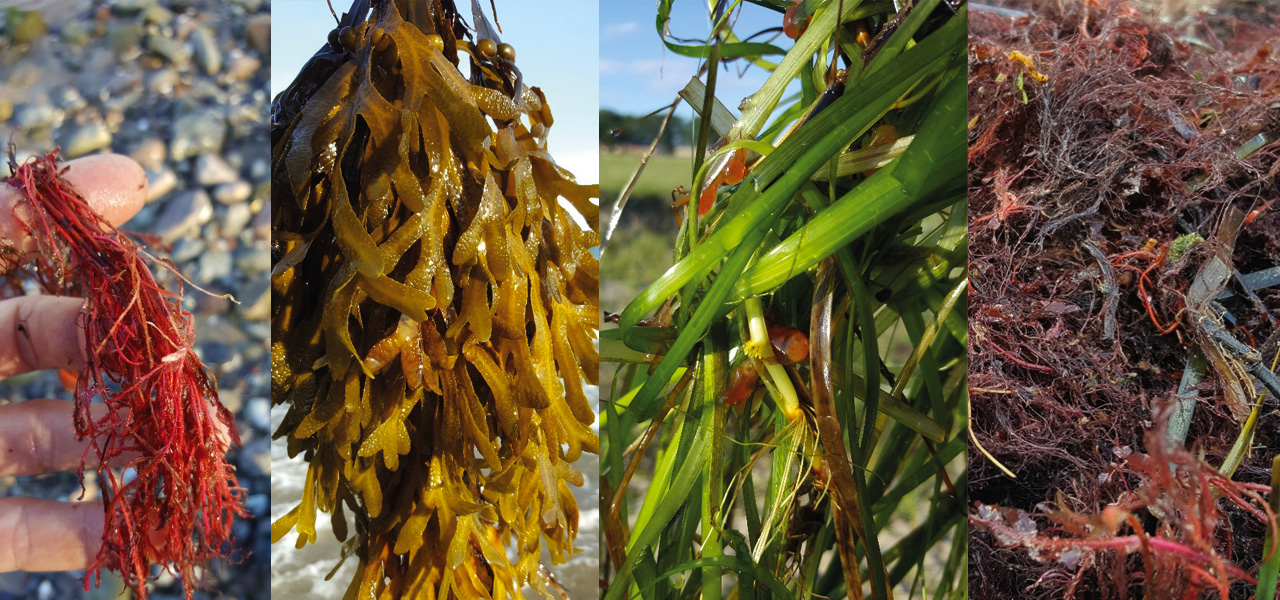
[(181, 87)]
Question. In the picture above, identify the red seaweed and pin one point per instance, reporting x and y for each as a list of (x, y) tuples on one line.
[(163, 419), (1106, 149)]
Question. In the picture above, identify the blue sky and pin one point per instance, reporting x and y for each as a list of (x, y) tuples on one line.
[(637, 72), (563, 61)]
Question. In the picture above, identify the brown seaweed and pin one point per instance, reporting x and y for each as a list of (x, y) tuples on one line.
[(434, 306)]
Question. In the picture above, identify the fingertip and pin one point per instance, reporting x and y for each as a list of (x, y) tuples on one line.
[(48, 535), (112, 184), (41, 332)]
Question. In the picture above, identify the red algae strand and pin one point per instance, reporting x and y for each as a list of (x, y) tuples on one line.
[(161, 403)]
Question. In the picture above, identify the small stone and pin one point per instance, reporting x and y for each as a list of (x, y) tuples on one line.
[(237, 217), (254, 354), (146, 216), (214, 353), (24, 74), (87, 138), (259, 33), (151, 62), (150, 153), (261, 224), (14, 583), (70, 100), (162, 81), (231, 366), (206, 304), (240, 530), (130, 8), (217, 328), (242, 66), (215, 265), (124, 101), (125, 38), (207, 87), (259, 329), (246, 117), (168, 48), (235, 192), (163, 580), (207, 55), (258, 504), (160, 182), (231, 398), (262, 192), (186, 249), (75, 33), (259, 170), (254, 460), (113, 117), (24, 26), (6, 110), (157, 15), (198, 133), (253, 260), (45, 591), (183, 215), (37, 115), (119, 84), (249, 6), (255, 299), (212, 169), (258, 413)]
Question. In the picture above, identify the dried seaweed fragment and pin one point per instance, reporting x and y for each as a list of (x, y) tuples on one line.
[(1179, 555), (434, 306), (1130, 147), (162, 404)]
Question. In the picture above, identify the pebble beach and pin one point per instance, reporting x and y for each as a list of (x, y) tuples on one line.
[(181, 86)]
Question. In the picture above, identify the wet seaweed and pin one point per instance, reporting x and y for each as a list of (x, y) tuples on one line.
[(173, 502), (1107, 151), (434, 306), (820, 257)]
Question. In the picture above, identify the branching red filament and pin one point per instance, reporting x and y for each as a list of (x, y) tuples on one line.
[(163, 419)]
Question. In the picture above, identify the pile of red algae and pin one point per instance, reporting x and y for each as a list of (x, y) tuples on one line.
[(163, 422), (1099, 136)]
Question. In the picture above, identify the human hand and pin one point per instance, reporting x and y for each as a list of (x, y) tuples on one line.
[(43, 332)]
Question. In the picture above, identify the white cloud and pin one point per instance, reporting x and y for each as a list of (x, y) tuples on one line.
[(620, 29), (647, 66), (610, 67), (644, 67)]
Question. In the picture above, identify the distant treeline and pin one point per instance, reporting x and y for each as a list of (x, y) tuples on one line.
[(630, 130)]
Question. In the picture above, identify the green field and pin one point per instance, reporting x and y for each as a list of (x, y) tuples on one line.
[(640, 251), (636, 257), (641, 248), (663, 174)]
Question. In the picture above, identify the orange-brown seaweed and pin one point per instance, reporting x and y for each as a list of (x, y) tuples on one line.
[(434, 306)]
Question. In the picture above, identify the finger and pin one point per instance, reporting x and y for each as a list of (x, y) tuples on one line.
[(37, 436), (112, 184), (41, 332), (47, 535)]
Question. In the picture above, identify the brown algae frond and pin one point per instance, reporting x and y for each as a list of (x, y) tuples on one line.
[(434, 306)]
